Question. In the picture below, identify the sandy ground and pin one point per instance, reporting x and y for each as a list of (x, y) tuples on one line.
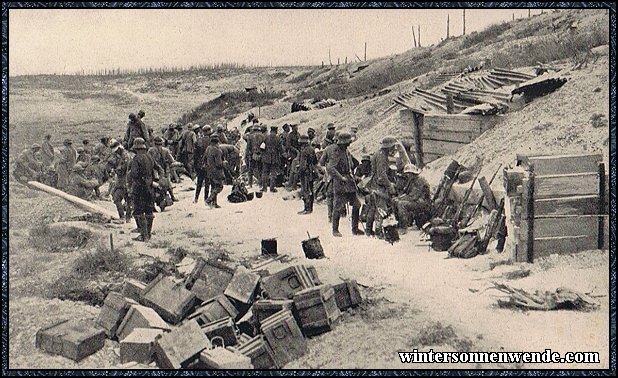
[(407, 288)]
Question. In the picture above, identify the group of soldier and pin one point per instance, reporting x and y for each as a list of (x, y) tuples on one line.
[(142, 167)]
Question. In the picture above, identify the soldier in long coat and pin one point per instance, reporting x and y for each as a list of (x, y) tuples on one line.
[(271, 157), (65, 163), (213, 161)]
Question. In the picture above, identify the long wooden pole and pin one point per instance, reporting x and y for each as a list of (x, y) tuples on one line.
[(413, 35), (464, 22), (448, 20), (89, 206), (365, 51), (419, 36)]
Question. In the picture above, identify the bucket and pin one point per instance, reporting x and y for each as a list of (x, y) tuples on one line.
[(250, 196), (258, 194), (269, 246), (391, 234), (313, 248)]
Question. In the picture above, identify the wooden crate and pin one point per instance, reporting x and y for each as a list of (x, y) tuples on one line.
[(223, 358), (265, 308), (169, 299), (140, 317), (176, 349), (74, 339), (260, 353), (347, 294), (317, 309), (284, 337), (138, 345), (213, 309), (560, 205), (286, 282), (243, 286), (112, 313)]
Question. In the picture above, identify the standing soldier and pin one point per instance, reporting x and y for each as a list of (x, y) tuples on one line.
[(140, 117), (170, 138), (140, 181), (47, 152), (102, 148), (214, 171), (380, 187), (135, 129), (291, 147), (326, 157), (306, 171), (64, 166), (313, 141), (163, 157), (270, 159), (119, 162), (330, 135), (221, 134), (231, 162), (188, 149), (254, 141), (344, 186)]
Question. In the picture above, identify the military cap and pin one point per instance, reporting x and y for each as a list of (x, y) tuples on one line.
[(303, 139), (220, 127), (158, 141), (330, 126), (141, 113), (214, 138), (36, 146)]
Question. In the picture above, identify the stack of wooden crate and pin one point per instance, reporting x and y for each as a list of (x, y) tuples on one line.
[(557, 205)]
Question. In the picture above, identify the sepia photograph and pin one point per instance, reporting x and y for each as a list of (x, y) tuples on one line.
[(302, 187)]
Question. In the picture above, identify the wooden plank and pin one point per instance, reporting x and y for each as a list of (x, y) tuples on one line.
[(574, 205), (407, 124), (564, 245), (441, 147), (601, 205), (82, 203), (566, 226), (451, 136), (452, 122), (565, 164), (567, 185)]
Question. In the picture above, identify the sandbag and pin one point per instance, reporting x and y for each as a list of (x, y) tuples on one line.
[(465, 247)]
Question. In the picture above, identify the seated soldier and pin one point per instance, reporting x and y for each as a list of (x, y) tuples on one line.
[(27, 166), (413, 202), (79, 185)]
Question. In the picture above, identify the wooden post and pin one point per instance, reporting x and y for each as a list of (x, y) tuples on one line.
[(413, 35), (419, 36), (448, 19), (111, 242), (528, 13), (464, 22), (513, 16), (529, 203), (418, 138), (329, 61), (365, 51), (346, 60), (337, 61), (601, 240)]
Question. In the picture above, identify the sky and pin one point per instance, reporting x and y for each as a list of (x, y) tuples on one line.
[(46, 41)]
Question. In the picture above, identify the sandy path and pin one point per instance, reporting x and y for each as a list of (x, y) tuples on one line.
[(409, 276)]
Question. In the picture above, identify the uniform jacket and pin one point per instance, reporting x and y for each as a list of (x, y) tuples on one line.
[(141, 173), (120, 163), (136, 129), (340, 166), (47, 153), (213, 163), (272, 153), (379, 172), (307, 161)]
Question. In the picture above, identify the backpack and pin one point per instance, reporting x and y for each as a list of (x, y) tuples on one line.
[(465, 247)]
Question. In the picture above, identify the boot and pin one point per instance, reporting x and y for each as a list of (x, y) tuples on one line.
[(355, 218), (120, 209), (143, 228), (149, 220), (369, 229), (329, 206), (272, 185), (335, 217), (138, 222)]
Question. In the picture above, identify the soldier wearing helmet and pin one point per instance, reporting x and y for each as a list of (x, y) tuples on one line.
[(381, 188), (135, 129)]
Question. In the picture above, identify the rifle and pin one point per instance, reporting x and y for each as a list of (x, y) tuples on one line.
[(480, 203), (465, 199)]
